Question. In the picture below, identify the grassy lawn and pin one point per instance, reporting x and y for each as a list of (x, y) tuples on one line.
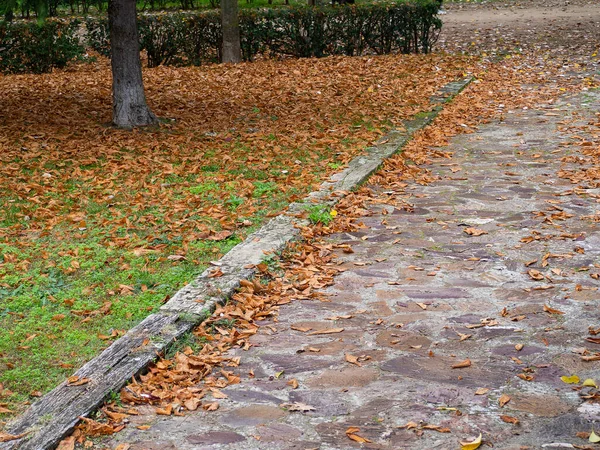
[(100, 226)]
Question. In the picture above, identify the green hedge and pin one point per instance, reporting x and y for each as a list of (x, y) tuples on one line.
[(411, 26), (194, 38), (29, 47)]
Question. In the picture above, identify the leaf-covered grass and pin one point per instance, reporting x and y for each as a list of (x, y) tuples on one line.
[(100, 226)]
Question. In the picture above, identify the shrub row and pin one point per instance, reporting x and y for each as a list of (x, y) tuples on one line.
[(410, 26), (27, 47), (194, 38)]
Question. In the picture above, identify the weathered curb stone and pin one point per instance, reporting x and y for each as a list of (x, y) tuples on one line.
[(55, 415)]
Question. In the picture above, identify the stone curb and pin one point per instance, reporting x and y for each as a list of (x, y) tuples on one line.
[(54, 416)]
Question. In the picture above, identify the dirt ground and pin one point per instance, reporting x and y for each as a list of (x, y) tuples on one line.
[(557, 28)]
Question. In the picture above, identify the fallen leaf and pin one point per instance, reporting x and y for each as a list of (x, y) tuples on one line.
[(471, 231), (503, 400), (550, 310), (573, 379), (220, 235), (482, 391), (462, 364), (67, 443), (351, 434), (211, 406), (471, 445), (5, 437), (535, 274), (327, 331), (590, 382), (353, 359), (509, 419), (191, 404), (594, 437), (76, 381), (437, 428)]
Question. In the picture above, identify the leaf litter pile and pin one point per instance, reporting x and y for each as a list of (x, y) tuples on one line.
[(192, 379), (100, 226)]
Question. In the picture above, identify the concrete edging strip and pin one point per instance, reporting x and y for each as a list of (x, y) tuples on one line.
[(54, 416)]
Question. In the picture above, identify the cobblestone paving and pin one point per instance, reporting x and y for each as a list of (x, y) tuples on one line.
[(414, 288)]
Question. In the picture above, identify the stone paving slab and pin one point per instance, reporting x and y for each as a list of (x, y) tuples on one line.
[(409, 325)]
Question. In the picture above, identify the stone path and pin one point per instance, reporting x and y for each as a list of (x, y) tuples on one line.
[(421, 295)]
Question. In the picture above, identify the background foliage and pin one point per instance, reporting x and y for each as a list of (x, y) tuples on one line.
[(193, 38)]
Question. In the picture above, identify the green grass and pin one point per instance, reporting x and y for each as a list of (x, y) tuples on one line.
[(319, 214), (54, 285)]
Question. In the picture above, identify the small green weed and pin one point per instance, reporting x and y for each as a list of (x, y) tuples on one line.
[(234, 201), (319, 214), (263, 188), (204, 188)]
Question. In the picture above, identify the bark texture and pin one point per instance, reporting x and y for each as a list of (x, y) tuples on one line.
[(231, 32), (129, 101)]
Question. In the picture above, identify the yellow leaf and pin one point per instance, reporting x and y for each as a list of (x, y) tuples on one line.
[(573, 379), (590, 382), (471, 445), (333, 213), (594, 437)]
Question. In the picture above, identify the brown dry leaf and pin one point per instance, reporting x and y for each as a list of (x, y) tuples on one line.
[(114, 416), (220, 235), (525, 377), (519, 347), (123, 447), (301, 329), (503, 400), (211, 406), (191, 404), (91, 427), (509, 419), (482, 391), (437, 428), (293, 383), (67, 443), (471, 231), (326, 331), (535, 274), (351, 434), (410, 425), (462, 364), (550, 310), (144, 427), (166, 411), (218, 394), (353, 359), (5, 437), (76, 381)]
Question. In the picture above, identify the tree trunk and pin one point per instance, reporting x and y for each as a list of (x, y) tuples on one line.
[(231, 32), (129, 101)]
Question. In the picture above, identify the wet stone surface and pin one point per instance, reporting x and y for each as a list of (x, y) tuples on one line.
[(474, 300)]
